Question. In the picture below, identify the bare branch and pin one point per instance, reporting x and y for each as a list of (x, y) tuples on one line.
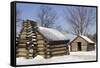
[(46, 16), (80, 18)]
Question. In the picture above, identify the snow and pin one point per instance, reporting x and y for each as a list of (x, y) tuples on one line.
[(33, 39), (52, 34), (32, 45), (71, 37), (33, 36), (28, 42), (86, 38), (84, 53), (73, 57)]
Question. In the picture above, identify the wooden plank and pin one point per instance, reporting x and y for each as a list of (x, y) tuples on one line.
[(58, 52), (40, 48), (22, 40), (40, 42), (61, 48), (39, 37), (22, 54), (58, 42), (40, 53), (57, 46), (22, 49), (39, 45)]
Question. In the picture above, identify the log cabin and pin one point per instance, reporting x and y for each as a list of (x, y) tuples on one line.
[(51, 42), (82, 43), (34, 40)]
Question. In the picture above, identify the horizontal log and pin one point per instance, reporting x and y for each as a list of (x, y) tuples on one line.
[(22, 54), (40, 45), (40, 49), (30, 55), (61, 48), (57, 46), (22, 49), (21, 46), (40, 42), (58, 52), (40, 53), (58, 42), (39, 37), (22, 41)]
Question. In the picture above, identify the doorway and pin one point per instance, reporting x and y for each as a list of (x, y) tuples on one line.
[(79, 46)]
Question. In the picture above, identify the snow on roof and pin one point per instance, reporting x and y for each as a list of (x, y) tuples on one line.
[(86, 38), (52, 34)]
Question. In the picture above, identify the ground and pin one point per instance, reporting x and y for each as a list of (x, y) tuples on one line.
[(73, 57)]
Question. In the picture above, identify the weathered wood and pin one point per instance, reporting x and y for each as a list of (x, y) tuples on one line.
[(83, 46), (58, 42), (61, 49), (58, 46), (36, 44), (59, 54), (40, 42)]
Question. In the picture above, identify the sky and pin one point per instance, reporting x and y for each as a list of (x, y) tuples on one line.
[(30, 11)]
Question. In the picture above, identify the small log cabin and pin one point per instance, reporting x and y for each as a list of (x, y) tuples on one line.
[(51, 42), (82, 43), (43, 41)]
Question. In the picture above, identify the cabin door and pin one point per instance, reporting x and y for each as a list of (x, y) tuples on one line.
[(79, 46)]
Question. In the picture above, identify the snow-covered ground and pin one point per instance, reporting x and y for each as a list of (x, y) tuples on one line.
[(73, 57)]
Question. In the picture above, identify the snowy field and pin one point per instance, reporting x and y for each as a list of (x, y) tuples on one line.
[(73, 57)]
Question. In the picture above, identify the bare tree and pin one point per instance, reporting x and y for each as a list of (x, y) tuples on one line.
[(46, 16), (80, 18)]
